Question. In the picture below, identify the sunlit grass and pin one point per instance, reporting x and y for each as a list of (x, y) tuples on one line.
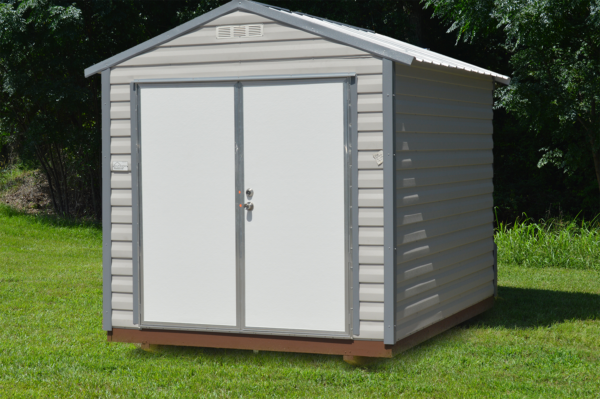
[(541, 339)]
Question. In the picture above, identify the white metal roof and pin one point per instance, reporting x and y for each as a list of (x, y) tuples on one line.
[(366, 40)]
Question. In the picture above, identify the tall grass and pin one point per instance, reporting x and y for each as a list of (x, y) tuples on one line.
[(573, 244)]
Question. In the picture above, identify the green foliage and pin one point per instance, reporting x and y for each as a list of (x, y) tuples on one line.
[(573, 244), (555, 59), (539, 340)]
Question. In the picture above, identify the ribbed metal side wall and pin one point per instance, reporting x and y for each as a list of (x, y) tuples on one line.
[(281, 50), (445, 259)]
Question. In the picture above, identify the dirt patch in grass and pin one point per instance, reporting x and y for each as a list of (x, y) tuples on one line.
[(26, 191)]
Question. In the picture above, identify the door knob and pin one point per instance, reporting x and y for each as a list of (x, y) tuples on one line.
[(249, 192), (249, 206)]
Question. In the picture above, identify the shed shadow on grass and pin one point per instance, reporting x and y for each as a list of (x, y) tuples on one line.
[(530, 308)]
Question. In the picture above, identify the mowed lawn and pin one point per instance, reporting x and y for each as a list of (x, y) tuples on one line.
[(542, 338)]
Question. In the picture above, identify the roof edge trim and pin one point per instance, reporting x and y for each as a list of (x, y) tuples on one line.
[(258, 9)]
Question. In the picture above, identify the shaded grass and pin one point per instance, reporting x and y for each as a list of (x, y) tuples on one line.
[(542, 338), (573, 244)]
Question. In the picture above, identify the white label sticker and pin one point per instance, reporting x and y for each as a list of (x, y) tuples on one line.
[(378, 157), (122, 166)]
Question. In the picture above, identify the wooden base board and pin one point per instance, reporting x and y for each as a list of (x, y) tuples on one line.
[(347, 348)]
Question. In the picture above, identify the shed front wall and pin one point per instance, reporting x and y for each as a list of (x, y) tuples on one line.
[(444, 216), (280, 51)]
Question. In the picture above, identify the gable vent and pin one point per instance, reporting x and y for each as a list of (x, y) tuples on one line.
[(230, 32)]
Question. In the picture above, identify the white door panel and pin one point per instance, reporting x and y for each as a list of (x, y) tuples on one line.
[(295, 236), (188, 203)]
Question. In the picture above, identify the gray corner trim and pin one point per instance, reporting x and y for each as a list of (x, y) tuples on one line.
[(264, 11), (505, 81), (495, 270), (354, 228), (249, 78), (106, 223), (389, 206), (135, 200)]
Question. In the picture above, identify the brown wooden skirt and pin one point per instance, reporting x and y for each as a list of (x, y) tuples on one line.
[(294, 344)]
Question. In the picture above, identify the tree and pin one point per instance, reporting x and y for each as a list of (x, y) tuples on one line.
[(554, 48)]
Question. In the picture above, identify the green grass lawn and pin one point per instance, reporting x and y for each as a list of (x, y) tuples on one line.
[(542, 338)]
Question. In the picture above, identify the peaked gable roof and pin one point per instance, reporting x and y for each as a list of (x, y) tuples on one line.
[(363, 39)]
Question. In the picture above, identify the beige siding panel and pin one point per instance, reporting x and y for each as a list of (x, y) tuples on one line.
[(121, 249), (438, 227), (370, 198), (122, 267), (120, 110), (371, 292), (435, 245), (370, 179), (366, 160), (435, 263), (441, 192), (370, 141), (238, 18), (120, 127), (371, 311), (360, 65), (370, 122), (444, 310), (444, 141), (370, 274), (416, 71), (436, 159), (438, 107), (122, 301), (370, 103), (122, 284), (430, 177), (426, 212), (426, 300), (120, 180), (371, 330), (121, 232), (442, 124), (370, 255), (271, 32), (236, 52), (120, 158), (370, 216), (121, 214), (435, 281), (426, 88), (370, 83), (120, 145), (120, 197), (120, 92), (123, 319), (370, 236)]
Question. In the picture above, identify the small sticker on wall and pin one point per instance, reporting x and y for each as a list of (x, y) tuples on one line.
[(121, 166), (378, 157)]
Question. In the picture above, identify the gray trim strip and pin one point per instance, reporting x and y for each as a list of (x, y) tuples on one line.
[(135, 200), (354, 207), (249, 78), (106, 223), (240, 217), (389, 205), (265, 11)]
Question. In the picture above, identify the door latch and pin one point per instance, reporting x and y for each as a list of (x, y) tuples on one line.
[(249, 206)]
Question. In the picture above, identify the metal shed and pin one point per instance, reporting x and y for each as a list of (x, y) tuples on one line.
[(277, 181)]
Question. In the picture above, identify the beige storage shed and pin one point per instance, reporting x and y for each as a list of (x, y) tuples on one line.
[(277, 181)]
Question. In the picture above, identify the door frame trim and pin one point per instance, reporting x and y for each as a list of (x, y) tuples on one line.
[(350, 198)]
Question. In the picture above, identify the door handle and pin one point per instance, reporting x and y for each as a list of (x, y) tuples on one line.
[(249, 206)]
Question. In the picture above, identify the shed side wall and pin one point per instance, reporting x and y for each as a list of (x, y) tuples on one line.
[(444, 214), (281, 50)]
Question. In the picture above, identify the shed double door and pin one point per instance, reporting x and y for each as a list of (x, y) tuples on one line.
[(243, 215)]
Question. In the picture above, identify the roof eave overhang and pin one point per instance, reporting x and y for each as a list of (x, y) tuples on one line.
[(255, 8)]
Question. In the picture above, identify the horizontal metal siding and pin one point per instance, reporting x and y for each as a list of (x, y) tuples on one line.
[(444, 195), (281, 51)]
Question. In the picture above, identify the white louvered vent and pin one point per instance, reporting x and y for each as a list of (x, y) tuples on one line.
[(230, 32)]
